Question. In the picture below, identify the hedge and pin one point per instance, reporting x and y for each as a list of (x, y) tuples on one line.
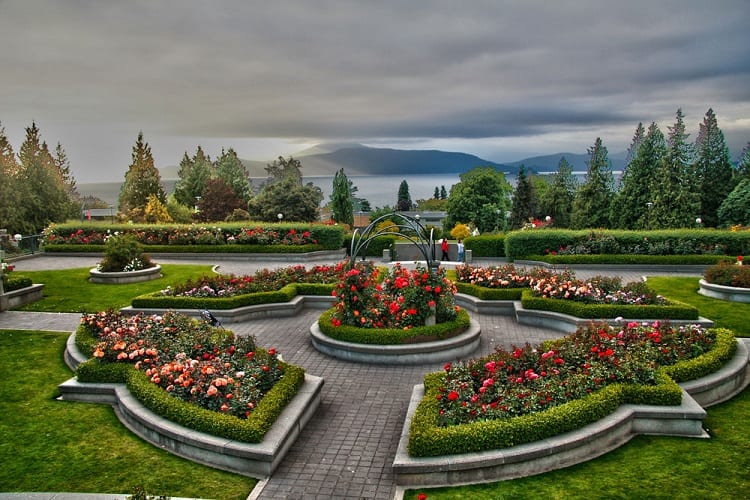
[(484, 293), (486, 245), (427, 438), (285, 294), (14, 281), (392, 336), (525, 243), (634, 259), (675, 310), (275, 249), (375, 247)]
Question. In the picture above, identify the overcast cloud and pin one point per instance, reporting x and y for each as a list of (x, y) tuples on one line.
[(501, 79)]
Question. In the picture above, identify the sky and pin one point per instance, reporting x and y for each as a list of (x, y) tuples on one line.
[(503, 80)]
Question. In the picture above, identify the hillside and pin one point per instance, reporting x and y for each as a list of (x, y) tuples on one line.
[(549, 163)]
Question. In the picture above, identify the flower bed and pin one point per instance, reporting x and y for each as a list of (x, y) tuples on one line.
[(188, 372), (527, 394), (726, 274), (230, 291)]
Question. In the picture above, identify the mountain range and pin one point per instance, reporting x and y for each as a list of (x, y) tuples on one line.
[(356, 159)]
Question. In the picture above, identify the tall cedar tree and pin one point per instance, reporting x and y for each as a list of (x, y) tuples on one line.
[(341, 199), (10, 195), (557, 200), (443, 193), (713, 167), (230, 168), (403, 202), (218, 201), (523, 204), (481, 197), (743, 168), (631, 209), (193, 175), (141, 180), (675, 193), (593, 199), (44, 196), (736, 207)]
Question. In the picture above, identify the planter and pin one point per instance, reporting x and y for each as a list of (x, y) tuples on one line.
[(20, 297), (148, 274), (721, 292), (401, 354)]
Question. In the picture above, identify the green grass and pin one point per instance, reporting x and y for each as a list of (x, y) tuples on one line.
[(69, 290), (50, 445), (731, 315), (646, 467)]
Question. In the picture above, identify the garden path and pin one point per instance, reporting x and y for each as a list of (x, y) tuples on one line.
[(347, 448)]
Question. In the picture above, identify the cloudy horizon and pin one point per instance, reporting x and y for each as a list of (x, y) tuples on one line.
[(503, 80)]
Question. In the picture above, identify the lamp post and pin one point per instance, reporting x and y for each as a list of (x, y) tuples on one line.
[(698, 221), (648, 215), (197, 200), (280, 216)]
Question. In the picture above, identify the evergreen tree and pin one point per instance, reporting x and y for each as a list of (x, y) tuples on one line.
[(593, 198), (284, 167), (230, 169), (743, 167), (11, 218), (523, 204), (44, 197), (713, 167), (443, 193), (62, 165), (735, 209), (481, 190), (675, 193), (635, 144), (631, 209), (436, 194), (403, 202), (341, 199), (193, 176), (141, 180), (557, 200)]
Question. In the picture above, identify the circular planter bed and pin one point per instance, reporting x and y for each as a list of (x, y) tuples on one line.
[(721, 292), (431, 351), (147, 274)]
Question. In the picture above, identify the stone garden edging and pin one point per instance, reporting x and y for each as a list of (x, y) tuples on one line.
[(119, 278), (21, 297), (249, 459), (721, 292), (401, 354), (576, 446)]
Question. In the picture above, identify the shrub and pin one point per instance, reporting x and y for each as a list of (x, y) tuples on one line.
[(486, 245), (122, 252), (727, 274)]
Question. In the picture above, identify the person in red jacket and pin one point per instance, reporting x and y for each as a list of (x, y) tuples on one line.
[(444, 247)]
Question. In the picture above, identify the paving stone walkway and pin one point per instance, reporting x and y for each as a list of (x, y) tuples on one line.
[(346, 450)]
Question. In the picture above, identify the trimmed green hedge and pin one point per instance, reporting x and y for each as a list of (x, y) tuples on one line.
[(675, 310), (523, 244), (275, 249), (250, 430), (670, 260), (486, 245), (484, 293), (15, 281), (375, 247), (392, 336), (285, 294), (427, 438)]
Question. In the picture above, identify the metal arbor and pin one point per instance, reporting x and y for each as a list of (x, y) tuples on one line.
[(408, 227)]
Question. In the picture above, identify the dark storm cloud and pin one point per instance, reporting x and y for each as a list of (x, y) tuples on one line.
[(404, 71)]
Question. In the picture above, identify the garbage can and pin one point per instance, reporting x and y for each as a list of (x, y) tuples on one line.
[(387, 254), (467, 255)]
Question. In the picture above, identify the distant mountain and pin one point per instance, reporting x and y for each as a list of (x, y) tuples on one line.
[(549, 163)]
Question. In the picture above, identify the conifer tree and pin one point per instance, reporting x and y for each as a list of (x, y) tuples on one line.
[(443, 193), (436, 194), (403, 202), (230, 169), (713, 167), (62, 165), (193, 176), (10, 194), (631, 209), (743, 167), (591, 205), (675, 193), (141, 180), (557, 200), (523, 202), (44, 197), (341, 199)]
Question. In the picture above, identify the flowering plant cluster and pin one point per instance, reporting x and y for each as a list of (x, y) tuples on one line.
[(122, 252), (189, 359), (77, 237), (506, 276), (524, 380), (400, 299), (602, 243), (264, 280), (597, 290), (264, 236), (7, 268)]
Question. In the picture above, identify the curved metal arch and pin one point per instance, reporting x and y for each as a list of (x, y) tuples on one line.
[(360, 242)]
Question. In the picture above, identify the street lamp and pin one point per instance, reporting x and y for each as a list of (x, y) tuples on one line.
[(648, 220), (197, 200), (698, 221), (280, 216)]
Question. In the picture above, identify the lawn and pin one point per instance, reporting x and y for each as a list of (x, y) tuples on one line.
[(69, 290), (50, 445)]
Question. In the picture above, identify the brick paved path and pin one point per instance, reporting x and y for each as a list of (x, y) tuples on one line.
[(347, 448)]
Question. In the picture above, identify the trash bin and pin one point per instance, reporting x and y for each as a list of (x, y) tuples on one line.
[(387, 254), (467, 255)]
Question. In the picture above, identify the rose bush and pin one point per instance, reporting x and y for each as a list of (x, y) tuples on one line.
[(189, 359), (528, 379)]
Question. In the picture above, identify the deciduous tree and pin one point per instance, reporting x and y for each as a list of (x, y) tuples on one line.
[(218, 201), (481, 190)]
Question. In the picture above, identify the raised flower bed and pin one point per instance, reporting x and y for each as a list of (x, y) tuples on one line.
[(531, 410), (124, 262), (727, 282), (18, 290)]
